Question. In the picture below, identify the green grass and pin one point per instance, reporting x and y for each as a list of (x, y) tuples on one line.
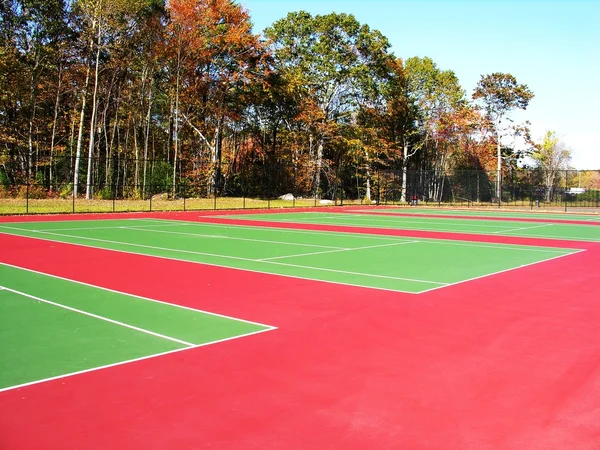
[(65, 206), (384, 262), (52, 327)]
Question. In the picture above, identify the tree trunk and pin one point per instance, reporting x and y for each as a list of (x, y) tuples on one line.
[(80, 133), (319, 167), (499, 157), (88, 190), (147, 135), (368, 186), (404, 172), (54, 121)]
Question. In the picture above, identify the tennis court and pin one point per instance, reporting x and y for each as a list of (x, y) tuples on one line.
[(525, 214), (404, 265), (53, 327), (294, 329), (534, 229)]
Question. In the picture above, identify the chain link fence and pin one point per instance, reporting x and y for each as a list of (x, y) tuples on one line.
[(152, 185)]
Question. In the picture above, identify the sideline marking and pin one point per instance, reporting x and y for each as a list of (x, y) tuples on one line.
[(505, 270), (232, 238), (172, 258), (96, 316), (121, 363), (134, 295)]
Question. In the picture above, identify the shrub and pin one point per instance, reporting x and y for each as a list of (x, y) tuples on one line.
[(35, 191), (105, 193), (66, 190)]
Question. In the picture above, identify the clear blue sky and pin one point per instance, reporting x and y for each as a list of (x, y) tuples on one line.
[(552, 46)]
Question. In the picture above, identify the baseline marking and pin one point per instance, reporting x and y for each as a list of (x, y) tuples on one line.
[(135, 296)]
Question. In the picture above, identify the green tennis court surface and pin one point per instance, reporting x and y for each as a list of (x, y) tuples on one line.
[(383, 262), (52, 327), (487, 213), (499, 227)]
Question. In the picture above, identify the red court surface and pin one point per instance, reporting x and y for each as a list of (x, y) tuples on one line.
[(509, 361)]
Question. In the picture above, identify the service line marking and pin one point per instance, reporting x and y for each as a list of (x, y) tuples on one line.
[(338, 250)]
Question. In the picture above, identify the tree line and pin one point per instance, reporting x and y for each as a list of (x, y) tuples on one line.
[(137, 93)]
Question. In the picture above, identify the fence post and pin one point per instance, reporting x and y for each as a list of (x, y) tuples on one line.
[(566, 187), (27, 197)]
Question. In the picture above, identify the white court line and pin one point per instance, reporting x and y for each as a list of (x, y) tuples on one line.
[(502, 271), (359, 274), (388, 226), (338, 250), (115, 227), (527, 248), (133, 295), (287, 230), (235, 238), (96, 316), (523, 228), (122, 363), (388, 220), (130, 244)]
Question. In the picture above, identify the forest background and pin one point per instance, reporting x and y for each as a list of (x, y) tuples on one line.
[(133, 98)]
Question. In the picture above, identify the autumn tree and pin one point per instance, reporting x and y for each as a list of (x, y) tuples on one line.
[(500, 94), (551, 156), (438, 100), (32, 31), (223, 58), (337, 65)]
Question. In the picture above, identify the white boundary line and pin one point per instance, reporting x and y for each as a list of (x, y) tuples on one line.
[(372, 218), (121, 363), (233, 238), (133, 295), (96, 316), (460, 213), (503, 271)]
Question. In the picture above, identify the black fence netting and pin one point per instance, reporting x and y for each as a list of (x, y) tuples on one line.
[(121, 184)]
